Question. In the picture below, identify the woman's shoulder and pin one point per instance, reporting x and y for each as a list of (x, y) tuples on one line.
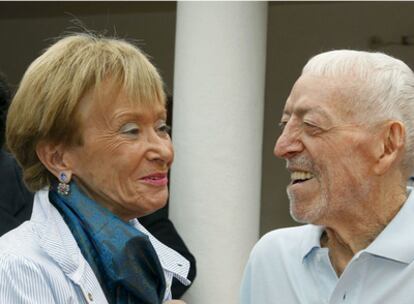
[(20, 243), (20, 254), (38, 240), (28, 272)]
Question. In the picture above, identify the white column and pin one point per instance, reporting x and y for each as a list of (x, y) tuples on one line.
[(218, 124)]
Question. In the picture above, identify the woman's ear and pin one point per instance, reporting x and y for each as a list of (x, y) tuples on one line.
[(393, 141), (53, 157)]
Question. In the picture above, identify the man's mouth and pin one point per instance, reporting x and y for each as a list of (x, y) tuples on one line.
[(300, 176)]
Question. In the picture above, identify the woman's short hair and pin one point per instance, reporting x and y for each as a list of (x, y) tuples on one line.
[(379, 87), (45, 104)]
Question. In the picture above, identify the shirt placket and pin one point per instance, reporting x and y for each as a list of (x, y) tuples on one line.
[(350, 283)]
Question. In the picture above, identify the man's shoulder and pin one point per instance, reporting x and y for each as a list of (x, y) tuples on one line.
[(275, 265), (281, 241), (282, 235)]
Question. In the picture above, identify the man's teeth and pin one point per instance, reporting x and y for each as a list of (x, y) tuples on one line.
[(300, 175)]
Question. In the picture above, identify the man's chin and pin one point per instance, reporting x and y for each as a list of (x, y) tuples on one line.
[(299, 218), (303, 215)]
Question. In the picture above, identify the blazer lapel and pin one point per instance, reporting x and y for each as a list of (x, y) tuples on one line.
[(58, 242)]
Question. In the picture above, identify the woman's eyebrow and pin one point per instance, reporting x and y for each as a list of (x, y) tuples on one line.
[(139, 115)]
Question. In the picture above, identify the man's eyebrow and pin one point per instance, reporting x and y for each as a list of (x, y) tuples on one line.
[(301, 111)]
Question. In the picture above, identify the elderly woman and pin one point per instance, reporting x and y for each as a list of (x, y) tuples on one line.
[(88, 126)]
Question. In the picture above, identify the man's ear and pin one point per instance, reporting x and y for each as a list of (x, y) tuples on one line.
[(392, 142), (53, 157)]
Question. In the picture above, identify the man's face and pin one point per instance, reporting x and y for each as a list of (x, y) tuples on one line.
[(326, 150)]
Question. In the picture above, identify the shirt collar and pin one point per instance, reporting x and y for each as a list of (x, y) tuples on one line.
[(170, 260), (396, 240), (311, 240)]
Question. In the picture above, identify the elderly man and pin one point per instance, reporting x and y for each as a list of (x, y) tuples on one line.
[(348, 141)]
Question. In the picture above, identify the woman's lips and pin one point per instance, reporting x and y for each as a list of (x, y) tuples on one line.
[(156, 179)]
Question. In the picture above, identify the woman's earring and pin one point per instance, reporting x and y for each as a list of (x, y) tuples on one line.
[(63, 187)]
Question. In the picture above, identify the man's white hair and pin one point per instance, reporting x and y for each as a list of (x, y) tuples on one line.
[(380, 87)]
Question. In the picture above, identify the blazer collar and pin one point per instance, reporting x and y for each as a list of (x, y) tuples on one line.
[(56, 239)]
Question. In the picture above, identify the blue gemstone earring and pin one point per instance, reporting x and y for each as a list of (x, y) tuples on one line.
[(63, 187)]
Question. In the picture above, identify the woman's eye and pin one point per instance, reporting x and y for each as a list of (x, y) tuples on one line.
[(130, 128), (164, 128)]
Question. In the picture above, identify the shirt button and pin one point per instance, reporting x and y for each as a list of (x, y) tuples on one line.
[(344, 297), (90, 297)]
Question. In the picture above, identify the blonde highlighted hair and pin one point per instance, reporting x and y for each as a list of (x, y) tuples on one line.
[(45, 104)]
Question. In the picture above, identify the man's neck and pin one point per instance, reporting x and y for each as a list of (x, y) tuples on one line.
[(347, 237)]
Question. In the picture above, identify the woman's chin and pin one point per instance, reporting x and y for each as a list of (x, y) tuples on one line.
[(152, 207), (156, 206)]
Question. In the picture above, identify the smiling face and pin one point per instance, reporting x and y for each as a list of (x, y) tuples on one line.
[(328, 152), (125, 155)]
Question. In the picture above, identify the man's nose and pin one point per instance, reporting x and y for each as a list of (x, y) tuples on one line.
[(289, 142)]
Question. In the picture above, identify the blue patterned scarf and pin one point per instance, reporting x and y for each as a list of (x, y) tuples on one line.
[(121, 256)]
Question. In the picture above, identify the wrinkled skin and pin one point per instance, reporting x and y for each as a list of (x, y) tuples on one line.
[(320, 137), (346, 174), (123, 143)]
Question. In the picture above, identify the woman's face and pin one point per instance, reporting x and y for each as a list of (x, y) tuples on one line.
[(125, 156)]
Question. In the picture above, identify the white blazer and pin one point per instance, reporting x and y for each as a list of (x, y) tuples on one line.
[(41, 263)]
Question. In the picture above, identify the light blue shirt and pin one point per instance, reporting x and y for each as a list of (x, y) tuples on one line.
[(288, 266), (41, 263)]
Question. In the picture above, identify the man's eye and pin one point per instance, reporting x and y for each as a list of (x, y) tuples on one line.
[(310, 125), (282, 125), (311, 128), (130, 128)]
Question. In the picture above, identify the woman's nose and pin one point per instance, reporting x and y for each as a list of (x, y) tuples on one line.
[(160, 149)]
